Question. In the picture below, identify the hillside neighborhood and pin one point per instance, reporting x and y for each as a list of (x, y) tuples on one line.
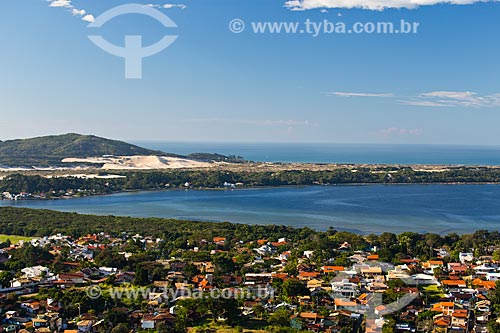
[(87, 284)]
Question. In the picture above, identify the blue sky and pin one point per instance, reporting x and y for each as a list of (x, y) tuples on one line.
[(438, 86)]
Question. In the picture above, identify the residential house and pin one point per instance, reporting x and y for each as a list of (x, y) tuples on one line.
[(31, 306), (466, 257), (85, 326), (345, 288)]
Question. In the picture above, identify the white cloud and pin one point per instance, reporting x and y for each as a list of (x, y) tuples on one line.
[(88, 18), (450, 94), (395, 131), (167, 6), (423, 103), (299, 5), (441, 98), (61, 3), (75, 11), (358, 94), (79, 12), (181, 6), (455, 99)]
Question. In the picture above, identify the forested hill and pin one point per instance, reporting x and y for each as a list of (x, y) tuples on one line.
[(50, 150)]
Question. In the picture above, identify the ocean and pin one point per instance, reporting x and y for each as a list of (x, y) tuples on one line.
[(340, 153)]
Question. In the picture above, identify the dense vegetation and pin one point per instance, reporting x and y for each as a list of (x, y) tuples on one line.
[(50, 150), (209, 157), (147, 180), (30, 222)]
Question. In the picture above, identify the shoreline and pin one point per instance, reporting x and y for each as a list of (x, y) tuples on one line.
[(225, 222), (362, 209), (248, 188)]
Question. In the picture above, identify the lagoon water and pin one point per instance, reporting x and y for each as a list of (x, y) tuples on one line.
[(362, 208)]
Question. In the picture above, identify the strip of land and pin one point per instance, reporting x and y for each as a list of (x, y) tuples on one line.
[(86, 182)]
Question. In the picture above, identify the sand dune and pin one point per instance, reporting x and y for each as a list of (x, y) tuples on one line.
[(140, 162)]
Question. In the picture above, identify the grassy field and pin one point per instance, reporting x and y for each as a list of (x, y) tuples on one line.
[(13, 238), (432, 291), (250, 326)]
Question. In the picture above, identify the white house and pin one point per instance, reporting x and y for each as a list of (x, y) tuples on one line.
[(108, 270), (483, 270), (345, 288), (31, 307), (10, 314), (308, 254), (35, 271), (424, 279), (22, 283), (465, 257), (493, 276), (264, 249)]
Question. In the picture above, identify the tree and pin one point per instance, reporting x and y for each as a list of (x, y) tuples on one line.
[(5, 244), (258, 310), (494, 295), (291, 267), (109, 258), (293, 287), (387, 239), (389, 326), (224, 264), (227, 308), (159, 273), (280, 317), (116, 317), (120, 328), (28, 256), (181, 320), (161, 327), (496, 255), (5, 278), (493, 327), (141, 277), (191, 270)]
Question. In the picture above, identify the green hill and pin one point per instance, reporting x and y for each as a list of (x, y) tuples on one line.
[(50, 150)]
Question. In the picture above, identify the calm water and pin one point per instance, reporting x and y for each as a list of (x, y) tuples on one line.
[(342, 153), (374, 208)]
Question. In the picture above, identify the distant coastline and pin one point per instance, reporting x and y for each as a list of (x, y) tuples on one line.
[(80, 182), (389, 154), (75, 165)]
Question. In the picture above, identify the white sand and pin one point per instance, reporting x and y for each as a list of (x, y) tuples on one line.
[(87, 176), (140, 162)]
